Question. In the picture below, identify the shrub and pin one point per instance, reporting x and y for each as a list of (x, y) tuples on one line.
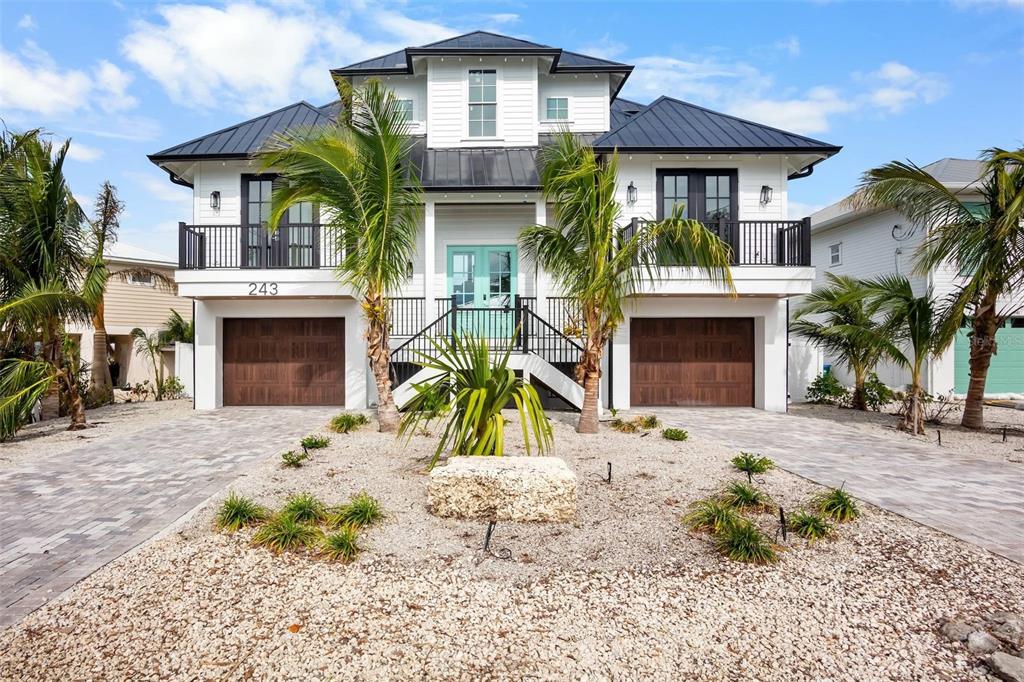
[(283, 532), (743, 496), (315, 442), (810, 527), (674, 434), (173, 389), (648, 421), (936, 408), (348, 421), (826, 390), (836, 504), (304, 508), (876, 394), (476, 385), (710, 515), (624, 426), (361, 510), (293, 459), (341, 545), (742, 541), (750, 463), (237, 511)]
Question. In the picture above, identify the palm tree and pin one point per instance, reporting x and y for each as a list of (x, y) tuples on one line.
[(104, 231), (985, 245), (913, 322), (844, 326), (598, 264), (358, 172), (178, 329), (150, 345)]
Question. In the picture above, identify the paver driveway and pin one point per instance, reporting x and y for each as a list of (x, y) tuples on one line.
[(63, 517), (980, 501)]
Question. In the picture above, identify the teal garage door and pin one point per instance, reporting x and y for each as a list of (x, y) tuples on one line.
[(1006, 373)]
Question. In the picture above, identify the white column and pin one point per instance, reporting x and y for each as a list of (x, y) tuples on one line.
[(209, 379), (429, 252), (542, 281)]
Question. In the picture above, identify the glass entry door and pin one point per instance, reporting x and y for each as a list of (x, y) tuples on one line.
[(483, 281)]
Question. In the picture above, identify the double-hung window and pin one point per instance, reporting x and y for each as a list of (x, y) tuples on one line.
[(405, 107), (558, 109), (483, 103), (835, 254)]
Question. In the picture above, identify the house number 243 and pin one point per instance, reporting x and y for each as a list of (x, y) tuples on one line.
[(263, 288)]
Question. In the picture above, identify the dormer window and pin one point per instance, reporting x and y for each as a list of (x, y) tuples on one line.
[(558, 109), (483, 103)]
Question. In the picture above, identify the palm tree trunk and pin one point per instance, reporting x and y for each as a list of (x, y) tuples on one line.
[(983, 347), (102, 388), (589, 371), (76, 404), (378, 352), (50, 403), (859, 401)]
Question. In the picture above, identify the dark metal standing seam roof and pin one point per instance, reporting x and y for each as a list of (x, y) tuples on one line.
[(484, 40), (464, 169), (668, 124)]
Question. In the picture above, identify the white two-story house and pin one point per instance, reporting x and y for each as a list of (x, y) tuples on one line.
[(274, 326)]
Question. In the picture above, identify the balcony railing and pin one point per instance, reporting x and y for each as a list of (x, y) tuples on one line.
[(229, 247), (758, 242)]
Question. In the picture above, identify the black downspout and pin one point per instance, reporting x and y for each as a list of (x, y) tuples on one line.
[(195, 333), (611, 373)]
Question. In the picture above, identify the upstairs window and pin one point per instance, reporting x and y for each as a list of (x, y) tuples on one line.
[(558, 109), (835, 254), (142, 279), (717, 197), (405, 108), (483, 103), (706, 195)]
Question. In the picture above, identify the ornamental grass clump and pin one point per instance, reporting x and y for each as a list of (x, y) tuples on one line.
[(744, 496), (348, 421), (361, 510), (636, 424), (315, 442), (237, 511), (675, 434), (341, 545), (750, 463), (293, 459), (836, 504), (304, 508), (710, 516), (284, 532), (810, 527), (743, 541)]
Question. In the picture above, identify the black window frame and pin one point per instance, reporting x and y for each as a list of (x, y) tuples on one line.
[(696, 193), (278, 248)]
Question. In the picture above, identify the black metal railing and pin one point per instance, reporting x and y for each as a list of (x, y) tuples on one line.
[(298, 246), (518, 325), (757, 242), (406, 315), (445, 304)]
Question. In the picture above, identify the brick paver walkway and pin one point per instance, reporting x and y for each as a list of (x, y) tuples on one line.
[(63, 517), (980, 501)]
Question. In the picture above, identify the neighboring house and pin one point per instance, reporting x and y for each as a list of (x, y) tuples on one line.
[(138, 302), (274, 326), (868, 243)]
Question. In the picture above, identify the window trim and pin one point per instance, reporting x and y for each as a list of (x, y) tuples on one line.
[(411, 118), (467, 137), (696, 189), (547, 109), (132, 280), (838, 246)]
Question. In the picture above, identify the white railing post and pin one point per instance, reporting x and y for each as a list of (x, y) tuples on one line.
[(429, 276)]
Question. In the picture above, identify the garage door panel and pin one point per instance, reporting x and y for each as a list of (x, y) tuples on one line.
[(692, 361), (284, 361)]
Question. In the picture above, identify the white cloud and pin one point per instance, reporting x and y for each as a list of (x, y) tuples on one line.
[(27, 23), (84, 153), (412, 31), (705, 80), (159, 188), (970, 4), (800, 209), (806, 114), (605, 48), (790, 45), (894, 86), (112, 85)]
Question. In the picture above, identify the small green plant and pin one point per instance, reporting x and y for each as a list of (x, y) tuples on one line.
[(237, 511), (751, 463), (361, 510), (173, 389), (876, 394), (648, 421), (283, 532), (826, 390), (293, 459), (675, 434), (315, 442), (624, 426), (743, 541), (744, 496), (810, 527), (348, 421), (304, 508), (614, 411), (341, 545), (836, 504), (710, 515)]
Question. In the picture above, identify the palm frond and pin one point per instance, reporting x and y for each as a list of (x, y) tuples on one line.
[(22, 384)]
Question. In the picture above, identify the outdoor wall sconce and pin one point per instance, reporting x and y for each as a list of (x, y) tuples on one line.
[(766, 195), (631, 193), (215, 200), (408, 269)]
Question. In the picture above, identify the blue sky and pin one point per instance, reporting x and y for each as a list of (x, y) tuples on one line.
[(918, 80)]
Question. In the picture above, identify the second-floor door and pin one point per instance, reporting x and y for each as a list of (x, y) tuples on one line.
[(295, 243)]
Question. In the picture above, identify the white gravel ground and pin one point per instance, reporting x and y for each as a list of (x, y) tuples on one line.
[(624, 593), (51, 437), (987, 444)]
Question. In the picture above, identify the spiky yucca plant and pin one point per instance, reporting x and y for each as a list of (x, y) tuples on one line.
[(743, 541), (744, 496), (342, 545), (236, 512), (283, 532), (836, 504), (304, 508), (711, 516)]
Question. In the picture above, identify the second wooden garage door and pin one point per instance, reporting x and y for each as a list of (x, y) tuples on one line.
[(691, 361), (284, 361)]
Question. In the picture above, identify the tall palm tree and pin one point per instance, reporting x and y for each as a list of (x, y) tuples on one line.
[(984, 244), (840, 319), (359, 173), (104, 232), (150, 345), (599, 264), (913, 323)]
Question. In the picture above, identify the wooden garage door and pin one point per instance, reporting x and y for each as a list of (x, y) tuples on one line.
[(691, 361), (284, 361)]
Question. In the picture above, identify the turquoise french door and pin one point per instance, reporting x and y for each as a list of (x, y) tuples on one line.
[(483, 281)]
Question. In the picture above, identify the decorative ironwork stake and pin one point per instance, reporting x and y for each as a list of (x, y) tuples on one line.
[(305, 451), (940, 435), (503, 553), (609, 479), (782, 523)]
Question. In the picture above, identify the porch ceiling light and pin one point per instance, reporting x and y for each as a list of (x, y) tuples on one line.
[(631, 193), (766, 195), (215, 200)]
